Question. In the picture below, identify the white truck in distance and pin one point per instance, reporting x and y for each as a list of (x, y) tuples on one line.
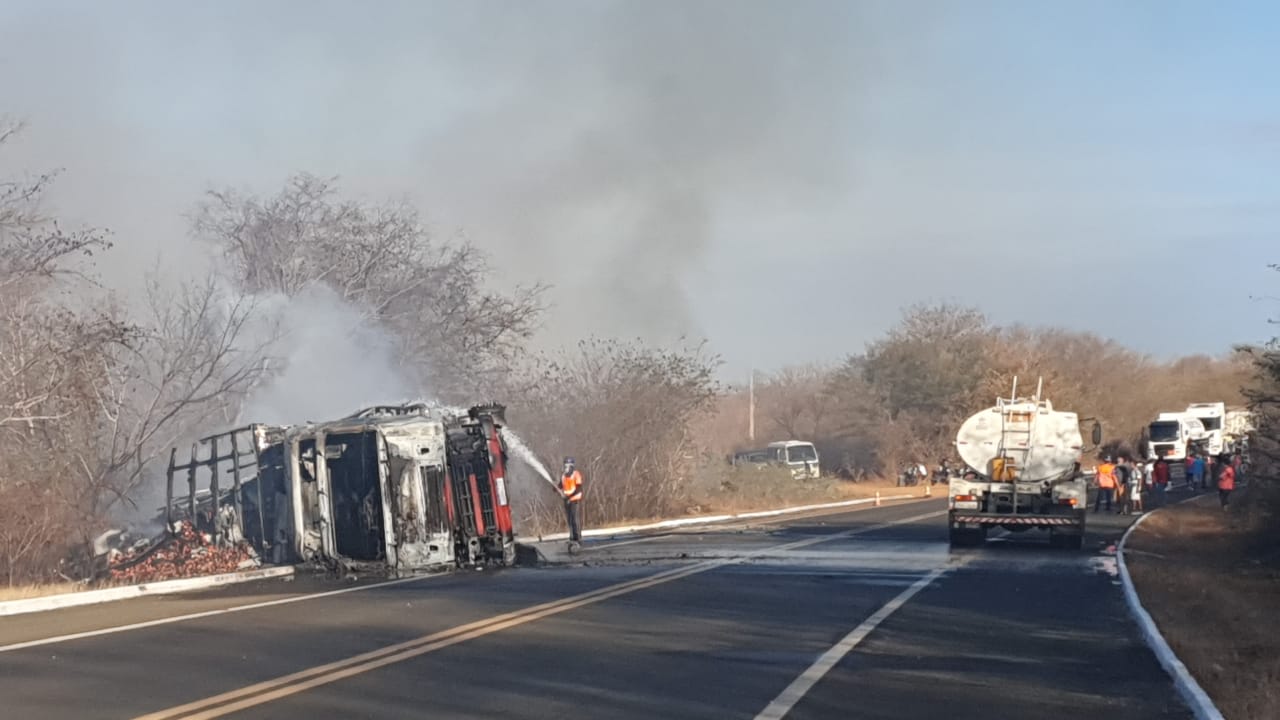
[(1171, 434), (1212, 416), (1025, 463)]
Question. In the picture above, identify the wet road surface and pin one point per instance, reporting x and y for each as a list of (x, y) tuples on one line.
[(865, 613)]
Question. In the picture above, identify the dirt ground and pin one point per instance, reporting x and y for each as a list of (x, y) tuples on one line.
[(1211, 581), (749, 489)]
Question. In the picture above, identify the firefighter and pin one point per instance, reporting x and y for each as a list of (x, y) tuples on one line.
[(571, 490)]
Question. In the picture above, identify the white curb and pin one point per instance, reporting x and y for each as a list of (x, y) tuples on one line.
[(713, 519), (166, 587), (1194, 695)]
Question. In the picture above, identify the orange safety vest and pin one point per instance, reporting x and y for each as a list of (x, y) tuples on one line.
[(1227, 480), (1106, 476), (571, 486)]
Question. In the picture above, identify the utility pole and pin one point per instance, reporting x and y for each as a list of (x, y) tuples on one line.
[(751, 406)]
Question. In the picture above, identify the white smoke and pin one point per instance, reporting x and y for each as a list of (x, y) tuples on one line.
[(328, 360)]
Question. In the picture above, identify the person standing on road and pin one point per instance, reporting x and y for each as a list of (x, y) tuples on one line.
[(1106, 478), (1226, 483), (1196, 477), (1160, 481), (571, 491), (1137, 485), (1124, 476)]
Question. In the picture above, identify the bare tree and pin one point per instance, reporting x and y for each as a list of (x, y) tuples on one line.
[(625, 412), (796, 402), (33, 246), (458, 331), (192, 359)]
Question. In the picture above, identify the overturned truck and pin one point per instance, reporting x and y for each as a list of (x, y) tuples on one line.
[(402, 488)]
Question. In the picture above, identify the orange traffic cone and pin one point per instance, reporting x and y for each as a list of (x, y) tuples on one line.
[(928, 490), (877, 498)]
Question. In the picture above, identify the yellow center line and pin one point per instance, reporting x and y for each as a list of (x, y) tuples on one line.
[(260, 693)]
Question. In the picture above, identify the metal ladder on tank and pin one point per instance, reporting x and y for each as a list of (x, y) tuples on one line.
[(1020, 432)]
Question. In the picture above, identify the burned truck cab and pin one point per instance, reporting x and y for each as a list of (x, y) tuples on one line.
[(402, 488), (477, 488), (362, 491)]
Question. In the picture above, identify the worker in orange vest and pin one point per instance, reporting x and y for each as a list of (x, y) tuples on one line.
[(571, 490), (1106, 484), (1226, 483)]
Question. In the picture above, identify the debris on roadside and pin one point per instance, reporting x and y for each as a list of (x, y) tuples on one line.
[(184, 553)]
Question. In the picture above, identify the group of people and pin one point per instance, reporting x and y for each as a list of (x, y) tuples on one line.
[(916, 473), (1123, 482)]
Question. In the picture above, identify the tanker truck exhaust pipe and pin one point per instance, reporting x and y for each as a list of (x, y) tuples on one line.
[(1024, 472)]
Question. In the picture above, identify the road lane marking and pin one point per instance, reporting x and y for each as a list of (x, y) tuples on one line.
[(773, 520), (620, 543), (260, 693), (204, 614), (799, 687)]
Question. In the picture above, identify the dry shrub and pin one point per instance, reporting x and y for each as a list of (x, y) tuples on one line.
[(624, 411)]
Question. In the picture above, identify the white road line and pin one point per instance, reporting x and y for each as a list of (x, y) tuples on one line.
[(675, 533), (796, 691), (625, 542), (205, 614)]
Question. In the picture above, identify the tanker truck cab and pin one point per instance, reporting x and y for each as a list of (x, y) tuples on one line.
[(1025, 473), (800, 457)]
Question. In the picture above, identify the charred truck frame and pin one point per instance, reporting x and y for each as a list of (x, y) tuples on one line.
[(405, 488)]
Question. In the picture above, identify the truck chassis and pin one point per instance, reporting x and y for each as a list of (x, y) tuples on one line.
[(976, 507)]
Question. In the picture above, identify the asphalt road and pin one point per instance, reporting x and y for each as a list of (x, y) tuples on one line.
[(864, 614)]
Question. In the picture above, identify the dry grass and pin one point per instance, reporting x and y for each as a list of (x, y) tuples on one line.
[(22, 592), (1211, 580), (746, 489)]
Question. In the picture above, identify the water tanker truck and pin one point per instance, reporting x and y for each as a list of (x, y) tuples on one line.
[(1024, 462)]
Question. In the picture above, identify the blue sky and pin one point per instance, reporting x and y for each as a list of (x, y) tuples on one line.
[(781, 178)]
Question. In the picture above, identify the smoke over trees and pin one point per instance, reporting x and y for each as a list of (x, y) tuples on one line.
[(457, 335), (93, 389)]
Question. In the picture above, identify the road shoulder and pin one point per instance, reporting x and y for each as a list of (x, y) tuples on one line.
[(1212, 590)]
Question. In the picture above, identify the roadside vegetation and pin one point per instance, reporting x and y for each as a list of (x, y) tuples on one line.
[(1211, 579), (95, 388)]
